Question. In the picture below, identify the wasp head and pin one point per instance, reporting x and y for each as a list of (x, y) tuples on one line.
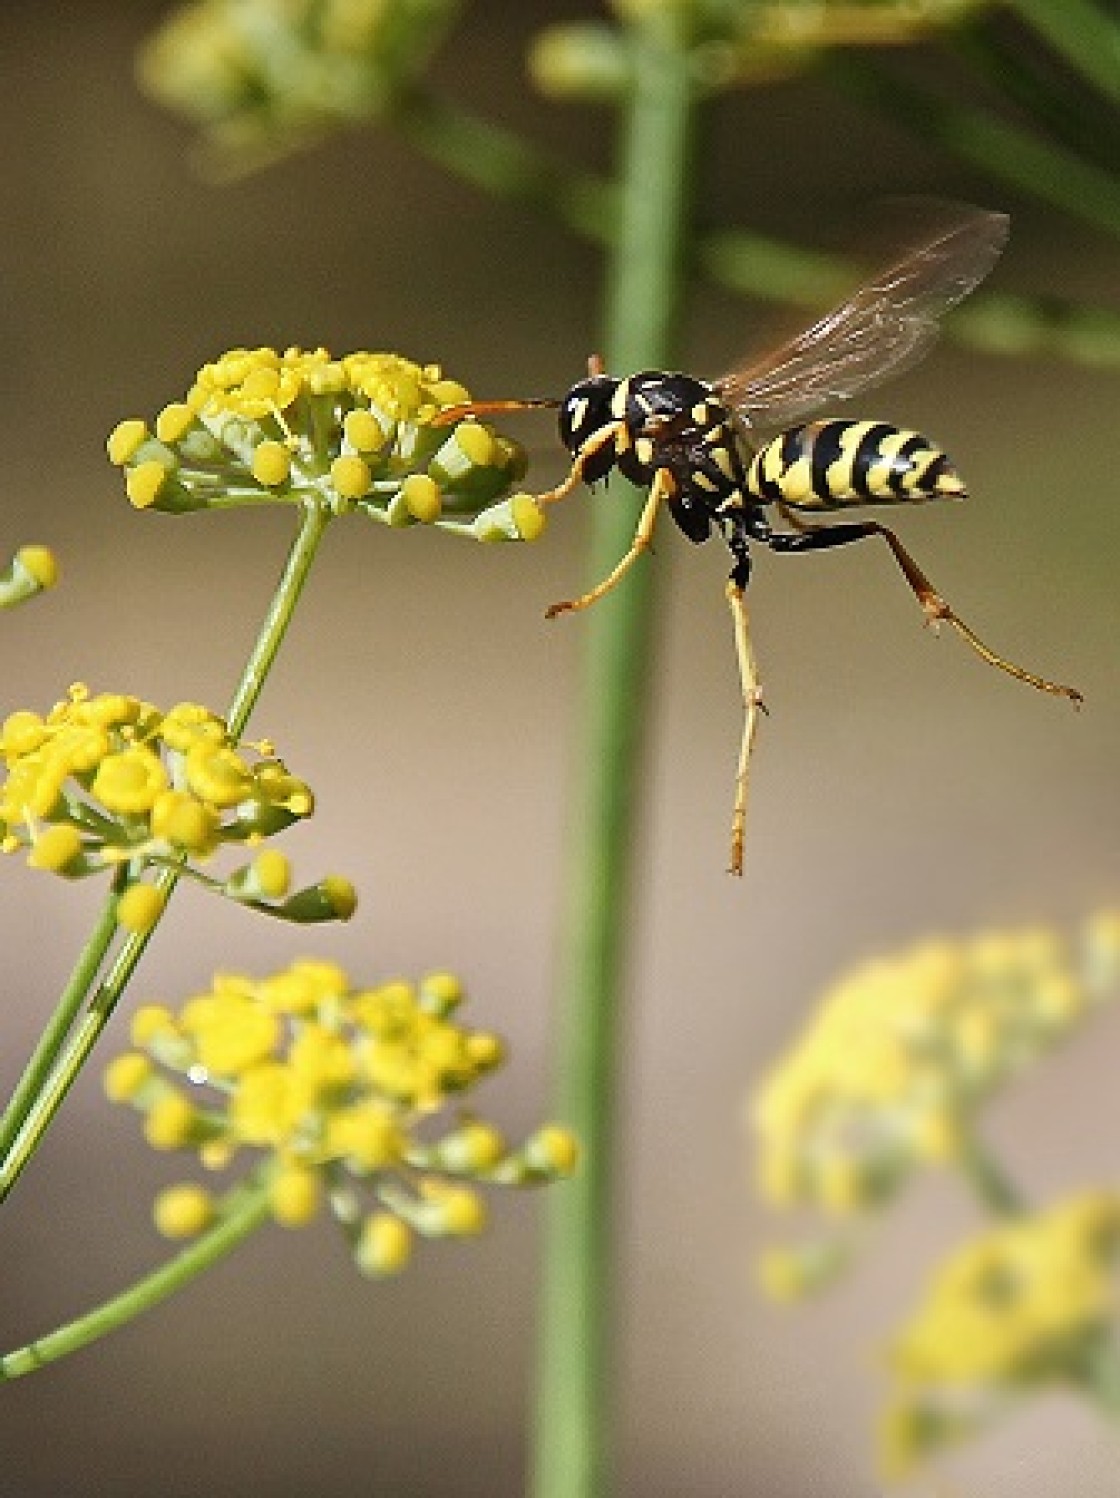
[(584, 411)]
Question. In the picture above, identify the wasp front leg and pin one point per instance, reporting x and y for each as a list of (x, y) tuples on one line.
[(662, 488), (752, 705), (606, 436)]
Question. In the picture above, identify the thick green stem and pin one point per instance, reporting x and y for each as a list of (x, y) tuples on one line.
[(573, 1404), (249, 1209), (1084, 33)]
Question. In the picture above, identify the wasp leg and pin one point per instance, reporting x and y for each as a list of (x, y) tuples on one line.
[(817, 538), (661, 488), (752, 703), (602, 438)]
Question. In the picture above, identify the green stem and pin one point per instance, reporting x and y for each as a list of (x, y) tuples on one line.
[(573, 1408), (80, 1041), (990, 1183), (312, 525), (1100, 1374), (1055, 99), (54, 1035), (504, 165), (243, 1214), (1081, 32), (70, 1047), (1003, 150), (743, 261)]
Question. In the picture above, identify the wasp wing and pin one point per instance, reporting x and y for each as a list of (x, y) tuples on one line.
[(882, 329)]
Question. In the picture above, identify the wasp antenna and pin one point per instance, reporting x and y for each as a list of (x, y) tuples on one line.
[(451, 414)]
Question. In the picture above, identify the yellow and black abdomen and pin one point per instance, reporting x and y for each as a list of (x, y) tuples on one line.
[(829, 465)]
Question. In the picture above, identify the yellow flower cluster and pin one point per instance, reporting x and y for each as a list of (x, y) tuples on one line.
[(903, 1051), (359, 433), (1031, 1302), (341, 1086), (730, 45), (105, 780), (262, 78)]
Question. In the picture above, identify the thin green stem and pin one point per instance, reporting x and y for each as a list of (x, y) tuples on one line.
[(312, 526), (990, 1183), (59, 1025), (1002, 149), (504, 165), (243, 1214), (573, 1411), (743, 261)]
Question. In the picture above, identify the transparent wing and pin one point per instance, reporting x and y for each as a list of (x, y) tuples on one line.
[(882, 329)]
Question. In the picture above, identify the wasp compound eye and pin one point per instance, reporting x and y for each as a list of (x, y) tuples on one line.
[(585, 411)]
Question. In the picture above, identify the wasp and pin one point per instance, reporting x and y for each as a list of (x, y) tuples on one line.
[(699, 447)]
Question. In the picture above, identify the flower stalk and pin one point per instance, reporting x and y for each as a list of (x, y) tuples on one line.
[(573, 1403)]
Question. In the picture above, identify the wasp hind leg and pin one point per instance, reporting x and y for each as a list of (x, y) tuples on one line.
[(661, 489), (752, 706), (936, 609)]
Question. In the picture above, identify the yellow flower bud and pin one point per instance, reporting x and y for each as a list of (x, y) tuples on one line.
[(217, 774), (272, 463), (476, 443), (126, 1075), (295, 1194), (129, 782), (474, 1147), (124, 440), (456, 1211), (178, 817), (422, 498), (41, 563), (143, 483), (170, 1122), (385, 1245), (528, 516), (174, 422), (553, 1150), (140, 907), (350, 476), (152, 1022), (55, 848), (363, 431), (183, 1211)]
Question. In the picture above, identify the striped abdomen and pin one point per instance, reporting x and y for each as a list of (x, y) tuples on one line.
[(827, 465)]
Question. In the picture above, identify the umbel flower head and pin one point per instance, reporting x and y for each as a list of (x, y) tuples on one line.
[(1030, 1304), (903, 1053), (262, 78), (106, 780), (355, 434), (353, 1095)]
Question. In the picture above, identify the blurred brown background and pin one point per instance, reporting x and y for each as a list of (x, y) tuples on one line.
[(900, 788)]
